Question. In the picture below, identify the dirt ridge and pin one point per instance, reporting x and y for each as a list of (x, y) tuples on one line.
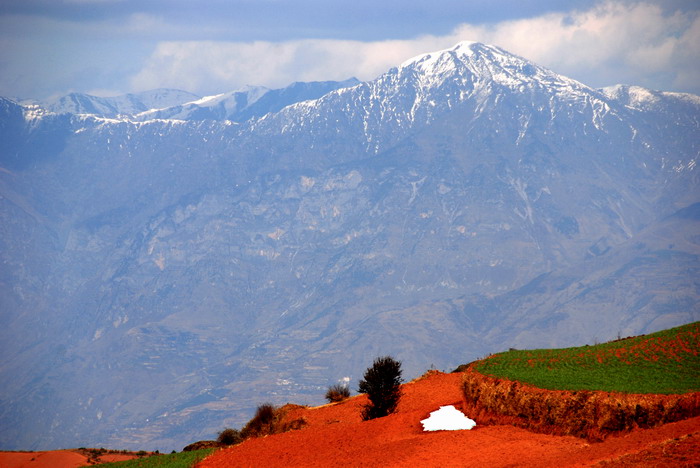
[(592, 415)]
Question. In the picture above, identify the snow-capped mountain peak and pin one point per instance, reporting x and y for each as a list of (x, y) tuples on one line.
[(481, 64), (464, 48), (482, 81)]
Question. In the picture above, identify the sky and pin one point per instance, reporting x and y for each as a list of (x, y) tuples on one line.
[(49, 48)]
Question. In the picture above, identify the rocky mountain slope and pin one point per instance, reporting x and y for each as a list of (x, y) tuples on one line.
[(160, 278)]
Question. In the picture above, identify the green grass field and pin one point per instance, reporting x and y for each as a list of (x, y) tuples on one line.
[(174, 460), (666, 362)]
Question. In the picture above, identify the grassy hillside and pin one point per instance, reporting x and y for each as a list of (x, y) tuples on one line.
[(175, 460), (666, 362)]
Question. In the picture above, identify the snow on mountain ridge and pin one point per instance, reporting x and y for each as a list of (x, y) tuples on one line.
[(219, 106), (127, 104), (471, 75), (465, 47), (486, 72), (641, 98), (253, 93), (249, 102)]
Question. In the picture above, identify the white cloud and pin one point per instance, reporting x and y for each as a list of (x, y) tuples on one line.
[(209, 66), (611, 43), (614, 42)]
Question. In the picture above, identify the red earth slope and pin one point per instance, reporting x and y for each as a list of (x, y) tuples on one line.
[(335, 436), (56, 459)]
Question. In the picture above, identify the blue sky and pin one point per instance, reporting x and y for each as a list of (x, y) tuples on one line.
[(109, 47)]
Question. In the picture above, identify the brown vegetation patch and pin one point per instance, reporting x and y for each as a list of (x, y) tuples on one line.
[(337, 392), (202, 444), (586, 414), (269, 420)]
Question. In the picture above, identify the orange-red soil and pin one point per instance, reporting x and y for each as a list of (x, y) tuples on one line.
[(55, 459), (335, 436)]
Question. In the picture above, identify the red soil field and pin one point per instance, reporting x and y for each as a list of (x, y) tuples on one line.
[(335, 436), (54, 459), (648, 349)]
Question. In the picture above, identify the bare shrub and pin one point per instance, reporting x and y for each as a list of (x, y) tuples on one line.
[(263, 423), (229, 437), (337, 392)]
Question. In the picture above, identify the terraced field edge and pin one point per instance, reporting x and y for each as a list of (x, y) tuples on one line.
[(591, 391)]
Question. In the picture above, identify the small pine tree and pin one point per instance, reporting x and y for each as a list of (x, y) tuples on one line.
[(382, 384)]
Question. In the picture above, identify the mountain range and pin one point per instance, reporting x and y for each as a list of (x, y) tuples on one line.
[(169, 262)]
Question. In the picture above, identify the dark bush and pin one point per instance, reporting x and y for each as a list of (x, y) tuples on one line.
[(337, 393), (229, 437), (382, 384), (263, 423)]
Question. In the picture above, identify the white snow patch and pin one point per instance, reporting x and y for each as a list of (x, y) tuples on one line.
[(447, 418)]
